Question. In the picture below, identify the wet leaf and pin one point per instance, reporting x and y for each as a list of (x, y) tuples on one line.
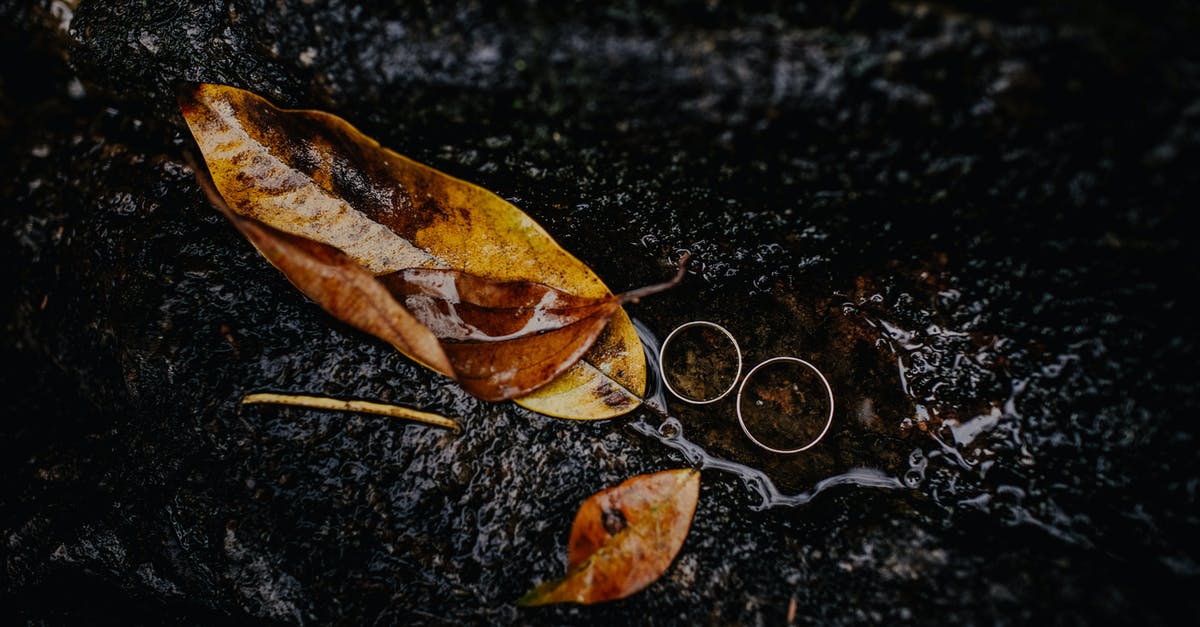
[(499, 339), (311, 174), (624, 538), (341, 286), (505, 339)]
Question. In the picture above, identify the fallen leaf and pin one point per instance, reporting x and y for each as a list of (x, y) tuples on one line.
[(498, 339), (313, 175), (506, 339), (341, 286), (624, 538)]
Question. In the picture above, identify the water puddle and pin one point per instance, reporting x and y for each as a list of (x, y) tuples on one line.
[(924, 403), (670, 432)]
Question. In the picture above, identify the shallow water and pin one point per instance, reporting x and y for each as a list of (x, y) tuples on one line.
[(670, 432)]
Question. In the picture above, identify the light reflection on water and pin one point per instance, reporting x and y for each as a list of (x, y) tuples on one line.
[(963, 448), (670, 433), (947, 372)]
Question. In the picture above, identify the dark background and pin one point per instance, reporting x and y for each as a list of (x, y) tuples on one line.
[(975, 217)]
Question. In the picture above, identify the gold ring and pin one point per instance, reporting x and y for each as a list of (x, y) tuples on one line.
[(661, 360), (828, 419)]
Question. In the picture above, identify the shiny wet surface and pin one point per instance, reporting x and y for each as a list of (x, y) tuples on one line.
[(937, 208)]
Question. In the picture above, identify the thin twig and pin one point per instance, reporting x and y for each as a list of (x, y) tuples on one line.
[(633, 296), (367, 407)]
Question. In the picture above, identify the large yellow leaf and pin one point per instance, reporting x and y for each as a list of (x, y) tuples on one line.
[(314, 175)]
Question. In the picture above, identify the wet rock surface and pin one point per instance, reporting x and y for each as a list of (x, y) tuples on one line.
[(970, 218)]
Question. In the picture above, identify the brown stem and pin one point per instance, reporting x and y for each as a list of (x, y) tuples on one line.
[(633, 296), (367, 407)]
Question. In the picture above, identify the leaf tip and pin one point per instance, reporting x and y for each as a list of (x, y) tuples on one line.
[(187, 93), (537, 596)]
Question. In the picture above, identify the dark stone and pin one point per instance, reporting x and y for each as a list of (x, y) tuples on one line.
[(972, 217)]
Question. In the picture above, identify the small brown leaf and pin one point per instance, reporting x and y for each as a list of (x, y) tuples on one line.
[(624, 538)]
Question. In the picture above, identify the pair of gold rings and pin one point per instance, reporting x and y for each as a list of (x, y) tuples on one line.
[(743, 381)]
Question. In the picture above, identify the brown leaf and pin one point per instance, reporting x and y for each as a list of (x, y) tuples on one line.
[(341, 286), (506, 339), (624, 538), (499, 340), (311, 174)]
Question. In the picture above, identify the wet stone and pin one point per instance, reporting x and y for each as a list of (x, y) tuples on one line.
[(973, 218)]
